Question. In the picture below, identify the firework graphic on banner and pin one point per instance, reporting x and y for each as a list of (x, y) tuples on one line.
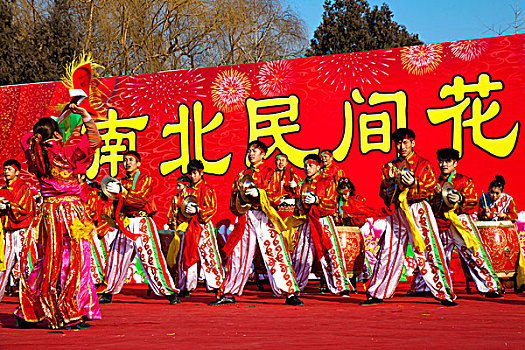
[(468, 50), (354, 69), (160, 94), (276, 78), (229, 90), (422, 59)]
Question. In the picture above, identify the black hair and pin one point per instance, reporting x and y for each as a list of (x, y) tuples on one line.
[(258, 144), (498, 181), (184, 178), (133, 153), (403, 133), (46, 128), (326, 150), (14, 163), (195, 164), (448, 154), (345, 183), (313, 157)]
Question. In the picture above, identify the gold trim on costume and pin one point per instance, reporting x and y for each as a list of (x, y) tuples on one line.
[(64, 199)]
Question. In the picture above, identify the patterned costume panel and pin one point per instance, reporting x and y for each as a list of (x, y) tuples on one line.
[(260, 233), (332, 262)]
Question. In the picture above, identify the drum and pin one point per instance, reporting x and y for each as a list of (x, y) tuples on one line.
[(353, 249), (501, 241)]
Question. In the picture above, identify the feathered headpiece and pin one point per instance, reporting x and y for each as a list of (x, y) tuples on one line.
[(80, 78)]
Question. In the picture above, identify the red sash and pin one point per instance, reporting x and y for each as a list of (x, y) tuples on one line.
[(191, 243), (236, 235), (320, 238)]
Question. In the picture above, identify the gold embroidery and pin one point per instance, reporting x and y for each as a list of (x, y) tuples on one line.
[(80, 230)]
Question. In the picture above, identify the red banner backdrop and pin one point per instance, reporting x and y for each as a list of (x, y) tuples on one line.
[(466, 94)]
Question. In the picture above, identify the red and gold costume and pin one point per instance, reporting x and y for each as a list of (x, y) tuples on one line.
[(504, 204), (412, 219), (255, 228), (280, 185), (60, 289), (318, 237), (139, 238), (477, 259), (353, 211), (199, 243), (333, 172), (15, 221)]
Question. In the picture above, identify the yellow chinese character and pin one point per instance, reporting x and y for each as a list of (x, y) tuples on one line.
[(272, 128), (499, 147), (113, 147), (219, 167), (375, 128)]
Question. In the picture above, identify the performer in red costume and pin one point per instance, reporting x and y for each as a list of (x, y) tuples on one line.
[(454, 216), (496, 205), (59, 289), (137, 235), (199, 244), (254, 228), (284, 181), (173, 212), (318, 236), (329, 168), (17, 210), (409, 181)]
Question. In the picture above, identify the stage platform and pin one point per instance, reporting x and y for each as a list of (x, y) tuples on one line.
[(259, 320)]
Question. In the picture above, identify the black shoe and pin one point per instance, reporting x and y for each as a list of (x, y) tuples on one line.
[(494, 295), (23, 324), (184, 294), (173, 299), (448, 303), (371, 301), (224, 300), (105, 298), (293, 301), (81, 325), (345, 294)]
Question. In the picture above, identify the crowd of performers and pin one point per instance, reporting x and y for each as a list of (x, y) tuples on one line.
[(77, 236)]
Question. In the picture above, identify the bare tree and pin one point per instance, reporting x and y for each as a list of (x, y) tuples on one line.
[(515, 26)]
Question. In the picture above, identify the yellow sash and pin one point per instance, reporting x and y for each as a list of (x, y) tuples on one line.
[(286, 228), (174, 248), (2, 247), (416, 237), (470, 240)]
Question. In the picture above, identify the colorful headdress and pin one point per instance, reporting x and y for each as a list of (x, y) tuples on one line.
[(80, 80)]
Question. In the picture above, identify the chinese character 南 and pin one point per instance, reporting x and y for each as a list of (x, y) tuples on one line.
[(113, 137)]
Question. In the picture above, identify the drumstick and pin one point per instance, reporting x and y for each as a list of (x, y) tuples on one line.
[(485, 201)]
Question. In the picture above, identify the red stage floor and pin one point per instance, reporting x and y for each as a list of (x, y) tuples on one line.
[(261, 321)]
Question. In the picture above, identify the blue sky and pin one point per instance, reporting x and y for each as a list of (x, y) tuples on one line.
[(434, 21)]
